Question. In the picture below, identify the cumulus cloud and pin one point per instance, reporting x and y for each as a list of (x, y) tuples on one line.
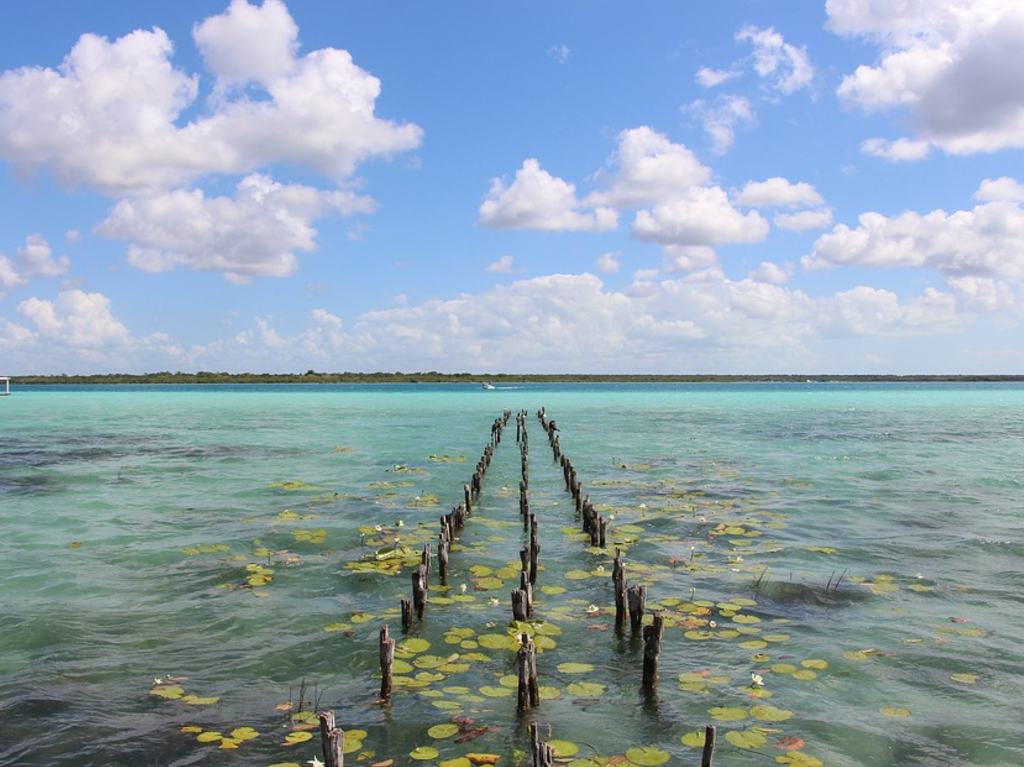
[(255, 233), (537, 200), (701, 216), (787, 67), (898, 150), (778, 192), (953, 65), (708, 77), (772, 273), (76, 318), (804, 219), (226, 42), (721, 118), (502, 266), (1000, 189), (979, 252), (110, 116), (34, 259), (608, 263), (647, 167)]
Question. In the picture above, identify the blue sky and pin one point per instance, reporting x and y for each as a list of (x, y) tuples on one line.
[(580, 186)]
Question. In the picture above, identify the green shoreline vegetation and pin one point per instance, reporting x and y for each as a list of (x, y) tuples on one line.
[(431, 377)]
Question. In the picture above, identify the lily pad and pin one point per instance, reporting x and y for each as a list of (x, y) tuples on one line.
[(585, 689), (299, 736), (964, 678), (209, 736), (442, 731), (647, 756), (244, 733), (898, 713), (563, 748), (575, 668), (694, 739), (422, 753), (766, 713), (728, 713), (746, 738)]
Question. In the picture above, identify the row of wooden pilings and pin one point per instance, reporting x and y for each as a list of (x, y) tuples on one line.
[(629, 599)]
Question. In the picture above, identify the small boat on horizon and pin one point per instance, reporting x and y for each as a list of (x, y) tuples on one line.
[(488, 386)]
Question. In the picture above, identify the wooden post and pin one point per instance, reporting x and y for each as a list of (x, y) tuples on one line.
[(468, 500), (636, 596), (523, 664), (652, 648), (620, 604), (602, 529), (425, 560), (442, 559), (519, 605), (331, 739), (524, 585), (419, 591), (534, 554), (406, 614), (534, 685), (387, 659), (709, 746)]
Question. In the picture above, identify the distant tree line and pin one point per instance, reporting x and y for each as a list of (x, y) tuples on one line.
[(432, 376)]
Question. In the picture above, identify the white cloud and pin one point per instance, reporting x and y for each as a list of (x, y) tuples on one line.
[(647, 167), (226, 42), (868, 311), (34, 259), (537, 200), (255, 233), (778, 192), (979, 252), (72, 235), (110, 116), (688, 258), (987, 241), (700, 216), (608, 263), (1000, 189), (707, 77), (899, 150), (76, 319), (788, 67), (804, 219), (560, 52), (502, 266), (771, 273), (954, 65), (721, 119)]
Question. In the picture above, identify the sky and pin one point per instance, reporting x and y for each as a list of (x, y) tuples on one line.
[(581, 186)]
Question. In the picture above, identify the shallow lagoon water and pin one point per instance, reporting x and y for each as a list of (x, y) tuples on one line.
[(129, 515)]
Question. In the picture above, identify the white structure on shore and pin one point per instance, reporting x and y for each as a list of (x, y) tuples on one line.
[(6, 381)]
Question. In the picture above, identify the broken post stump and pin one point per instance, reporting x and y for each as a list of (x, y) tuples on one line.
[(652, 648), (636, 596), (332, 740), (709, 746), (406, 614), (387, 659)]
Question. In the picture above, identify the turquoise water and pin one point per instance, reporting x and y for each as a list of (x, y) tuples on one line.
[(129, 516)]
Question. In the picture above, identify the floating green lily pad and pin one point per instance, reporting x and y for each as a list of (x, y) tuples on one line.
[(647, 756), (422, 753), (442, 731), (746, 738), (575, 668), (563, 748)]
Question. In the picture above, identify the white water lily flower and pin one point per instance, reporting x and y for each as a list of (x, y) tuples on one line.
[(643, 505), (756, 680), (401, 523), (593, 609), (495, 602), (462, 587), (611, 516), (315, 762), (378, 528), (600, 568), (712, 624)]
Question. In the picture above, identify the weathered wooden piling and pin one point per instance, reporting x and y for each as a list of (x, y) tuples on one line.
[(602, 530), (442, 558), (468, 499), (419, 591), (709, 746), (519, 611), (621, 610), (526, 664), (387, 659), (527, 588), (652, 648), (542, 754), (636, 596), (425, 561), (331, 740), (406, 614)]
